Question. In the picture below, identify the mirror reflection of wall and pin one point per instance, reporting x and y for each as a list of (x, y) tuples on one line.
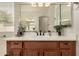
[(31, 15), (57, 15)]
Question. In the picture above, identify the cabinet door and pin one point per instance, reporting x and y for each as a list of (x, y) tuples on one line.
[(51, 53), (68, 48), (14, 52), (30, 52), (67, 53)]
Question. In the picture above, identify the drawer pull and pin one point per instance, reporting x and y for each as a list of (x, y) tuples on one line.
[(65, 43), (16, 43)]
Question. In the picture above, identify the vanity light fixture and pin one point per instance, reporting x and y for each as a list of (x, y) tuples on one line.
[(40, 4)]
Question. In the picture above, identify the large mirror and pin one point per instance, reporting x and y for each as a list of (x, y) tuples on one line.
[(44, 16)]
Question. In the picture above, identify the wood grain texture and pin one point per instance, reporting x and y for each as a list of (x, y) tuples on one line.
[(41, 48)]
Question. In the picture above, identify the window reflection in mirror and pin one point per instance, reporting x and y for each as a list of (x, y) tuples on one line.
[(66, 14)]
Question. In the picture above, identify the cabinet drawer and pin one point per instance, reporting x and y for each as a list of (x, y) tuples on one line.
[(67, 44), (51, 44), (31, 44), (41, 44), (14, 44)]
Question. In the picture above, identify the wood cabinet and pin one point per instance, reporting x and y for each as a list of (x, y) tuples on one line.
[(14, 52), (51, 52), (67, 48), (14, 48), (67, 52), (41, 48), (30, 52)]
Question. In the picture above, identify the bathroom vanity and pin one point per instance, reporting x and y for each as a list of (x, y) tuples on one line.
[(41, 47), (38, 31)]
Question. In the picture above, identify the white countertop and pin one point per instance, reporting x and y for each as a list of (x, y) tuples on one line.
[(42, 38), (33, 37)]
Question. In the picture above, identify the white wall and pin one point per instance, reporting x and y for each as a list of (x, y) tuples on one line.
[(76, 28), (2, 47)]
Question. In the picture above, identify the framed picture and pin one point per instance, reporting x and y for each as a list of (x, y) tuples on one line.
[(6, 17)]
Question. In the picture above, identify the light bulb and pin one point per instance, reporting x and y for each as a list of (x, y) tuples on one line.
[(40, 4), (47, 4), (34, 5)]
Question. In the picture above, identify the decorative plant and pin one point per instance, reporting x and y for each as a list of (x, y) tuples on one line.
[(59, 28), (21, 30)]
